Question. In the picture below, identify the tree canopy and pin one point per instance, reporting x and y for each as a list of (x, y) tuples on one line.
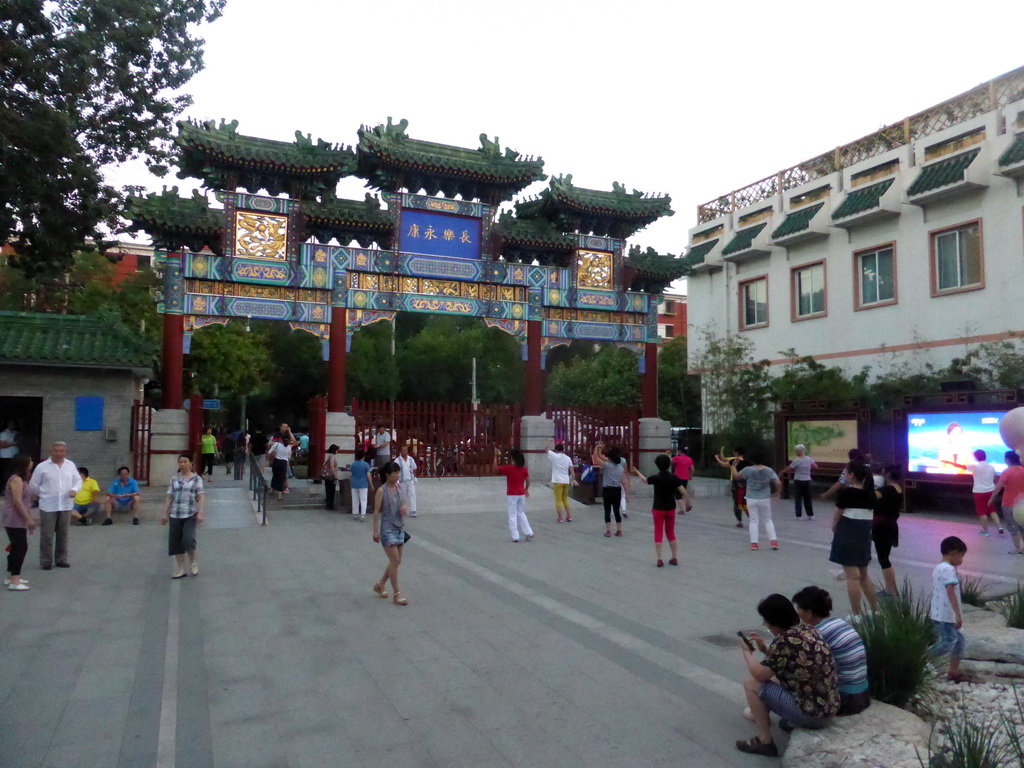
[(84, 84), (608, 376)]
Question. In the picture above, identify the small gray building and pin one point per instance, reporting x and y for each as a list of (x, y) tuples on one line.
[(72, 378)]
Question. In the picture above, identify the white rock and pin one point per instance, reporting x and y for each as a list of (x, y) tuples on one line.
[(882, 736), (993, 643), (993, 669)]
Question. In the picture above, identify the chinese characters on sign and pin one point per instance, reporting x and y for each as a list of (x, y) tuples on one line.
[(439, 235)]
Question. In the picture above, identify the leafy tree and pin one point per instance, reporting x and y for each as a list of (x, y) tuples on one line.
[(678, 390), (229, 362), (85, 83), (371, 373), (607, 377), (804, 378)]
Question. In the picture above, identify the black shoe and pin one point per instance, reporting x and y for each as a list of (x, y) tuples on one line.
[(108, 521), (63, 565), (46, 567), (135, 521)]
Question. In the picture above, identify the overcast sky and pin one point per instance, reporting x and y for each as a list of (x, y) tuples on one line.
[(689, 99)]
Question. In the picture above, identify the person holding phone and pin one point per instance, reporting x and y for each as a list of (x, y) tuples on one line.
[(796, 679)]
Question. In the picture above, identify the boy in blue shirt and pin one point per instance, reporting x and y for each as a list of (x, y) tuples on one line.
[(123, 495)]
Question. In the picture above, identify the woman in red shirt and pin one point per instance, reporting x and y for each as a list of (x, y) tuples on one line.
[(517, 489), (1011, 483)]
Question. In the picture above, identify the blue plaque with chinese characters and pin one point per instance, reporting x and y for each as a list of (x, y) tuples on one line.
[(437, 234)]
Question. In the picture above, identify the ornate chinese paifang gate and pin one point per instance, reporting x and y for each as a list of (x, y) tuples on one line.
[(553, 271)]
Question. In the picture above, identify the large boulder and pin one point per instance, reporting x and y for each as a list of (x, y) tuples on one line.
[(987, 642), (882, 736)]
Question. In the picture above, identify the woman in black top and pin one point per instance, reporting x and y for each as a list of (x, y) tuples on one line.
[(665, 484), (851, 540), (885, 531)]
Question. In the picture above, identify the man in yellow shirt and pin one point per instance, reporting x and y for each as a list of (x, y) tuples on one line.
[(86, 500)]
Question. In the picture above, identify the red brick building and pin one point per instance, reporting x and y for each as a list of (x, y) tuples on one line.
[(672, 316)]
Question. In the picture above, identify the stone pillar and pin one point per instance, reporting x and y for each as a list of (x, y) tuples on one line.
[(534, 434), (534, 383), (169, 437), (655, 438), (341, 429), (336, 364), (649, 384)]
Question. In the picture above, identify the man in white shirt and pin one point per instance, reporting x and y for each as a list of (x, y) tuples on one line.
[(562, 475), (407, 478), (55, 482), (8, 448), (382, 442)]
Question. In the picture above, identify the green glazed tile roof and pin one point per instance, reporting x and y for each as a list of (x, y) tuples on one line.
[(862, 199), (71, 340), (389, 159), (536, 233), (650, 263), (797, 221), (223, 144), (742, 240), (365, 213), (168, 211), (1014, 153), (699, 252), (942, 173)]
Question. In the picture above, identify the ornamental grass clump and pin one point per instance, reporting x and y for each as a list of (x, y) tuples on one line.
[(1012, 607), (896, 638), (973, 591)]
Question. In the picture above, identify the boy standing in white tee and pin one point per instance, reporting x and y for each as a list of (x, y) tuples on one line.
[(945, 610)]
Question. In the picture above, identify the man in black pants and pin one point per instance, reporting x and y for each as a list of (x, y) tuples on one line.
[(739, 487), (801, 468)]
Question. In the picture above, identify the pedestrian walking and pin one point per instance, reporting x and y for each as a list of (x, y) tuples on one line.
[(613, 477), (885, 527), (389, 530), (801, 468), (663, 510), (382, 445), (55, 482), (762, 485), (209, 452), (183, 511), (361, 485), (1011, 484), (517, 491), (984, 475), (408, 466), (329, 474), (851, 534), (945, 608), (562, 476), (17, 519)]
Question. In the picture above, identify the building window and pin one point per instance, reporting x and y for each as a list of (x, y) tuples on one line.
[(809, 290), (754, 296), (668, 307), (143, 262), (956, 259), (665, 330), (876, 277)]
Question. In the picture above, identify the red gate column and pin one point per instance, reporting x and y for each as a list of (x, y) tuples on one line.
[(336, 364), (534, 375), (649, 386), (174, 333)]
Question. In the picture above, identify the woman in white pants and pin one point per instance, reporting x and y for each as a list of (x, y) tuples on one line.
[(361, 484), (407, 478), (517, 489), (762, 485)]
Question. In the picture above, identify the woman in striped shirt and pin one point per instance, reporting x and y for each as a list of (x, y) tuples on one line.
[(814, 607)]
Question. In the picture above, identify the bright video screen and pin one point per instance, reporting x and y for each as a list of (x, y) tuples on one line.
[(944, 443)]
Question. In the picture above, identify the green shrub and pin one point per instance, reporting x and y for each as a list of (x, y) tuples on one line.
[(1013, 724), (973, 591), (896, 638), (1012, 608)]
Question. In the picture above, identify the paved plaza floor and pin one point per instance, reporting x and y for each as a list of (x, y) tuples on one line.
[(569, 650)]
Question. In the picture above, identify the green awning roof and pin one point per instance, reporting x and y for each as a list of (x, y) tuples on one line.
[(699, 252), (942, 173), (742, 240), (75, 340), (1014, 153), (863, 199), (797, 221)]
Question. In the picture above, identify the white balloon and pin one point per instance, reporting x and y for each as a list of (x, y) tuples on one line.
[(1011, 429)]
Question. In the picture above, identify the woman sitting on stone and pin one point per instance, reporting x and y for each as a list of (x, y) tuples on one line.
[(796, 679), (814, 607)]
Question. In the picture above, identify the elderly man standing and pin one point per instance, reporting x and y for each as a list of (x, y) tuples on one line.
[(55, 482)]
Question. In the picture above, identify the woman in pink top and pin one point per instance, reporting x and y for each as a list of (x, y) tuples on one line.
[(17, 520), (682, 466), (1011, 483)]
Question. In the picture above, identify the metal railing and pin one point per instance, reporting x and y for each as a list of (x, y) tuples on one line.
[(259, 488), (983, 98)]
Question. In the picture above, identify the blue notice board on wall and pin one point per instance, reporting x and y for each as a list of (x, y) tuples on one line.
[(88, 414), (436, 234)]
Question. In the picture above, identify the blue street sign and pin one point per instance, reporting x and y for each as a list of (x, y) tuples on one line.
[(211, 405)]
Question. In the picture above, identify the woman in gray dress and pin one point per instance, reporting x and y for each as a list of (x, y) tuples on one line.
[(389, 509)]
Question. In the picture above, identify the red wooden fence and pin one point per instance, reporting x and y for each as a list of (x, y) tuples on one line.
[(582, 428), (445, 438)]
